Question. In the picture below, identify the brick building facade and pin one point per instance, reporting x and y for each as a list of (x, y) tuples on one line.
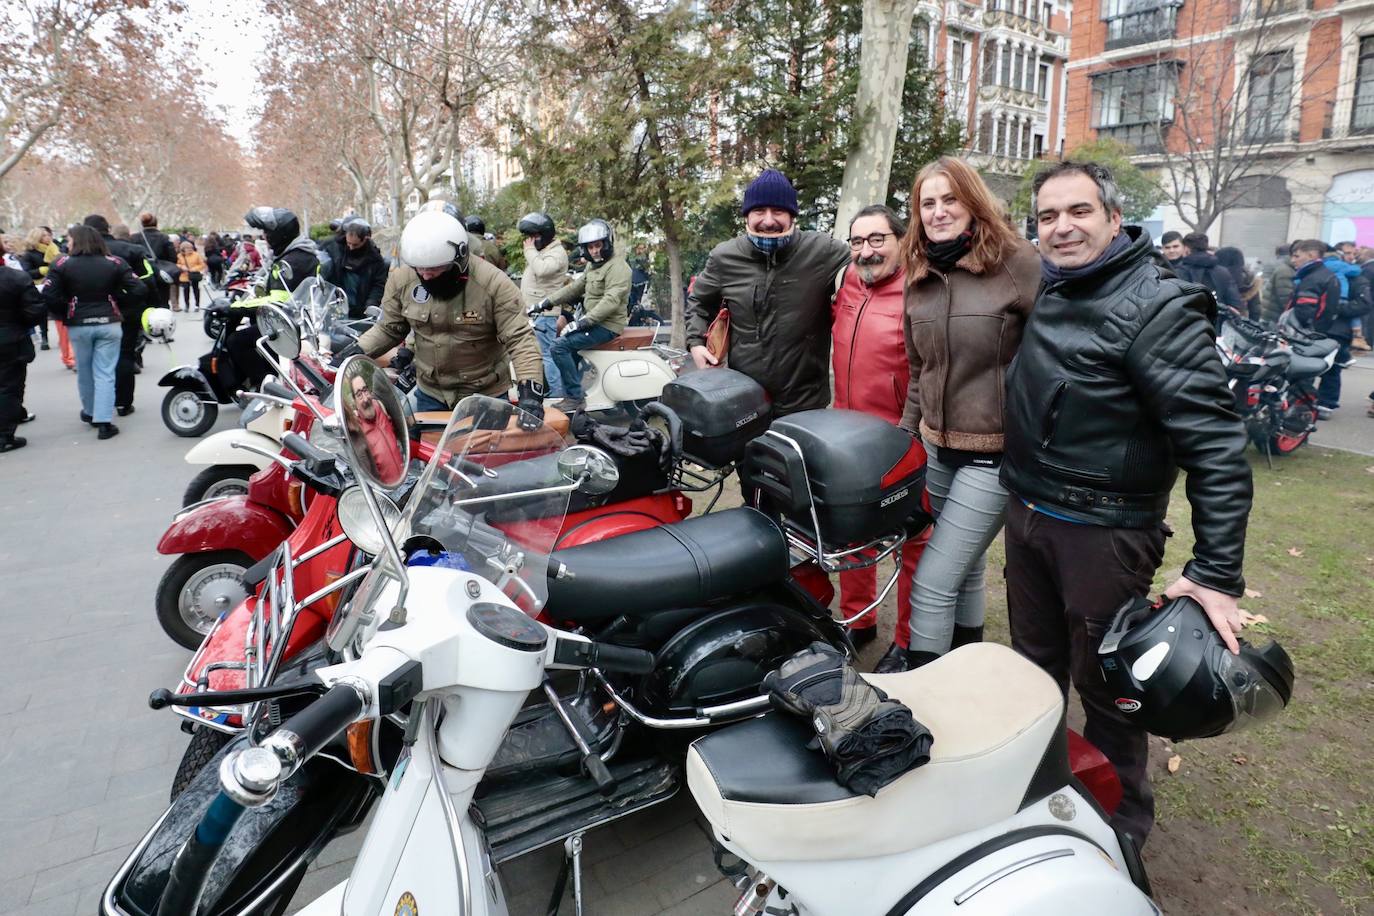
[(1274, 97)]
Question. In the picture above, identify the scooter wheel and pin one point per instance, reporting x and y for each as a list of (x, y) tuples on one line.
[(216, 481), (186, 414), (205, 744), (196, 589)]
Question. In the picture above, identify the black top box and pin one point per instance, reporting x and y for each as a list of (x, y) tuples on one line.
[(721, 410), (865, 475)]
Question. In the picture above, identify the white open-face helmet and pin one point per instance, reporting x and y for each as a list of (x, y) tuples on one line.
[(159, 324), (434, 239)]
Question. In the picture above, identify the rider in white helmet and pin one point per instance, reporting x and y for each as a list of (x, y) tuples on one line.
[(466, 317)]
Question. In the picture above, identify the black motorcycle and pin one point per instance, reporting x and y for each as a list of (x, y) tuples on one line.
[(1273, 375), (712, 597)]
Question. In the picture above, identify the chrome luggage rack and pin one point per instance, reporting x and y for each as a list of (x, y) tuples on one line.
[(275, 612)]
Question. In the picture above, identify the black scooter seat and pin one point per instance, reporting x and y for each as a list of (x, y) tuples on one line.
[(693, 562), (1301, 367)]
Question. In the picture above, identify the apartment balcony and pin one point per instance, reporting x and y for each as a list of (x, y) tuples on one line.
[(994, 17), (1145, 138), (992, 94), (1143, 26), (1263, 13)]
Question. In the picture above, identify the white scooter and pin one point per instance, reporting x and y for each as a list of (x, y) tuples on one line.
[(227, 461), (630, 370), (993, 824)]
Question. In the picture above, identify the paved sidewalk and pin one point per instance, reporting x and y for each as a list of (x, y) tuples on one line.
[(85, 766)]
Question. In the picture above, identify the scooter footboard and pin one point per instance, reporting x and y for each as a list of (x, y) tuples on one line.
[(268, 850)]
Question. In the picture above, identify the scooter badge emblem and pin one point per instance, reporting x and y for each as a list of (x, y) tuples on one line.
[(419, 293), (1127, 704), (407, 906), (474, 590), (1062, 807)]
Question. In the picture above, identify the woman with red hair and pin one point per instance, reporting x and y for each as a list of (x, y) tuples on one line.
[(971, 283)]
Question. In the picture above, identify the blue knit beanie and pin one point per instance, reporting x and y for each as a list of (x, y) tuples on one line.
[(771, 189)]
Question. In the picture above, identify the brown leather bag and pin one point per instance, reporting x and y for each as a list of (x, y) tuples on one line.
[(718, 336)]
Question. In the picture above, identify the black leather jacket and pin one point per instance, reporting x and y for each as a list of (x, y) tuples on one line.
[(1117, 386)]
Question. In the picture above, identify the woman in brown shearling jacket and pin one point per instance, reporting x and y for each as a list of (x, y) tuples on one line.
[(970, 287)]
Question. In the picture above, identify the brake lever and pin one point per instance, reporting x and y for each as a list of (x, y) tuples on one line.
[(161, 698)]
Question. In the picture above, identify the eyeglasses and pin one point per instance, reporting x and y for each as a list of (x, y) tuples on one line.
[(875, 240)]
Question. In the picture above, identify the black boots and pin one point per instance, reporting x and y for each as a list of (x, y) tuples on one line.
[(892, 662), (107, 430), (10, 443), (965, 635), (897, 659), (862, 636)]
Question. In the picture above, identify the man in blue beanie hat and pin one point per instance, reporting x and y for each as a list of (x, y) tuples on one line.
[(776, 282)]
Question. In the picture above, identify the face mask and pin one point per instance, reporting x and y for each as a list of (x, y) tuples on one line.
[(445, 286), (771, 244)]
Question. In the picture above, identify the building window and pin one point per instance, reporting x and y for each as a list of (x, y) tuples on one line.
[(1362, 119), (1004, 77), (985, 132), (1131, 104), (1024, 149), (1044, 87), (1134, 22), (1038, 146), (1046, 12), (989, 63), (1018, 71), (1271, 94)]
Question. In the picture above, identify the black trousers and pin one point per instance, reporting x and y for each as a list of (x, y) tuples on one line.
[(128, 360), (14, 369), (1065, 582)]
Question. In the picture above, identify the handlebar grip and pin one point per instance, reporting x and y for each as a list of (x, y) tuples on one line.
[(278, 391), (298, 444), (317, 724), (621, 658)]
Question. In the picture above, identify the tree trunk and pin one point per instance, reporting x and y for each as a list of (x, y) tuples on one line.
[(885, 38), (672, 246)]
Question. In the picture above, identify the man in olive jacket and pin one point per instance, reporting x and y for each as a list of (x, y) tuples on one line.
[(1116, 388), (604, 288), (777, 283), (466, 315)]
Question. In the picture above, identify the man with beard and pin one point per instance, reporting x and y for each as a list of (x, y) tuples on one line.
[(377, 430), (872, 374), (356, 266), (465, 315), (776, 282)]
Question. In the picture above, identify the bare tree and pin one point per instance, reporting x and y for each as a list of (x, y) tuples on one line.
[(1231, 107)]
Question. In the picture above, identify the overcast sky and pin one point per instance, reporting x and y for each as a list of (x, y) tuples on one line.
[(230, 38)]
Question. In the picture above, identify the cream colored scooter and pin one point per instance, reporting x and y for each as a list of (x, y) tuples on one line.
[(627, 372), (227, 463)]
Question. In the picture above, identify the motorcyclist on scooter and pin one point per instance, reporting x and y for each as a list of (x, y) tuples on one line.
[(294, 257), (466, 316)]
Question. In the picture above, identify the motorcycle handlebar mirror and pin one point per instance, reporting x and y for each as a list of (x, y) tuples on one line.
[(278, 331), (593, 470)]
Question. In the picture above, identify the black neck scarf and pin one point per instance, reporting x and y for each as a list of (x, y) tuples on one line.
[(1053, 274), (945, 255)]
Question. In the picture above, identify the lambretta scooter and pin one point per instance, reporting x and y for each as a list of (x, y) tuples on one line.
[(435, 641), (630, 370)]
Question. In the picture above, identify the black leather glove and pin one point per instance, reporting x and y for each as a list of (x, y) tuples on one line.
[(530, 399), (537, 309), (403, 358)]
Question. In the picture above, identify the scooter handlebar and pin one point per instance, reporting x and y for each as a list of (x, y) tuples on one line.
[(301, 446), (588, 654), (278, 391), (316, 725)]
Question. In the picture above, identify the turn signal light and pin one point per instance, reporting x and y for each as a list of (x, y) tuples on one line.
[(359, 736)]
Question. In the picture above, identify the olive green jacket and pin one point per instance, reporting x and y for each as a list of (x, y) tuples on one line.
[(604, 291), (460, 343)]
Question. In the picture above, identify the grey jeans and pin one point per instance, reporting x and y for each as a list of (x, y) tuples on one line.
[(970, 507)]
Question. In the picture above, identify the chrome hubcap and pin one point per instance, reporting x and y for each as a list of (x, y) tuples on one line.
[(209, 593), (187, 409), (235, 486)]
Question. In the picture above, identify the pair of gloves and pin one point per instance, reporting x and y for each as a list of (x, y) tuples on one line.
[(869, 739), (542, 305)]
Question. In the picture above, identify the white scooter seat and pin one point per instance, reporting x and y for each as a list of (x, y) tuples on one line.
[(994, 715)]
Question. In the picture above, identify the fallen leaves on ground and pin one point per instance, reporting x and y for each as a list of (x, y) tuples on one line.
[(1174, 763), (1249, 620), (1294, 552), (1251, 593)]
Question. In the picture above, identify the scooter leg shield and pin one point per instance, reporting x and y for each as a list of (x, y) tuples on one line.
[(269, 849)]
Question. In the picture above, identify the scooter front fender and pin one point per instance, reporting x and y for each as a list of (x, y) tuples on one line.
[(219, 449), (270, 846), (187, 377), (230, 523)]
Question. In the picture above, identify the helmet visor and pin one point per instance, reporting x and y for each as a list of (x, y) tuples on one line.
[(1254, 698)]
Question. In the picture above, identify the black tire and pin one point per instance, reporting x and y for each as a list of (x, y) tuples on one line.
[(218, 480), (215, 564), (190, 426), (205, 744)]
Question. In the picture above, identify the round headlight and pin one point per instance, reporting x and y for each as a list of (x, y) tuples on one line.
[(357, 523)]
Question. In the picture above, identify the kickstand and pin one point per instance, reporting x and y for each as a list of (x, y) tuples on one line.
[(572, 862), (1269, 451)]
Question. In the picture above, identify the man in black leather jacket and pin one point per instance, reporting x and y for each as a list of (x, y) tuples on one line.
[(1116, 387)]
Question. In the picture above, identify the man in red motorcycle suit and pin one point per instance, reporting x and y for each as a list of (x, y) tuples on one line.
[(871, 375)]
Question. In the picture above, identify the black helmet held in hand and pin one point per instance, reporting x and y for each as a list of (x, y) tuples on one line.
[(1174, 677), (474, 225), (540, 226), (279, 226)]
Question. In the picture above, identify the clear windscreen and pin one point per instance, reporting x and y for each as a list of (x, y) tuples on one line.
[(491, 500), (315, 305)]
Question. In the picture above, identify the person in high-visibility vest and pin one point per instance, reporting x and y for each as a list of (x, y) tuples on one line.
[(294, 257)]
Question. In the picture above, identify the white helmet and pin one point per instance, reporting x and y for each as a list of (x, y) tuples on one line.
[(434, 239), (159, 324)]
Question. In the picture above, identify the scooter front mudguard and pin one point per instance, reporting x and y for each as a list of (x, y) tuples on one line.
[(267, 852), (219, 449), (229, 523), (188, 377)]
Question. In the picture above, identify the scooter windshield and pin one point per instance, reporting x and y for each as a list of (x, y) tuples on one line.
[(492, 499), (315, 305)]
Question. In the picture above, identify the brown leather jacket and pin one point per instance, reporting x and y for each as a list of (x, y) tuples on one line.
[(962, 330)]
